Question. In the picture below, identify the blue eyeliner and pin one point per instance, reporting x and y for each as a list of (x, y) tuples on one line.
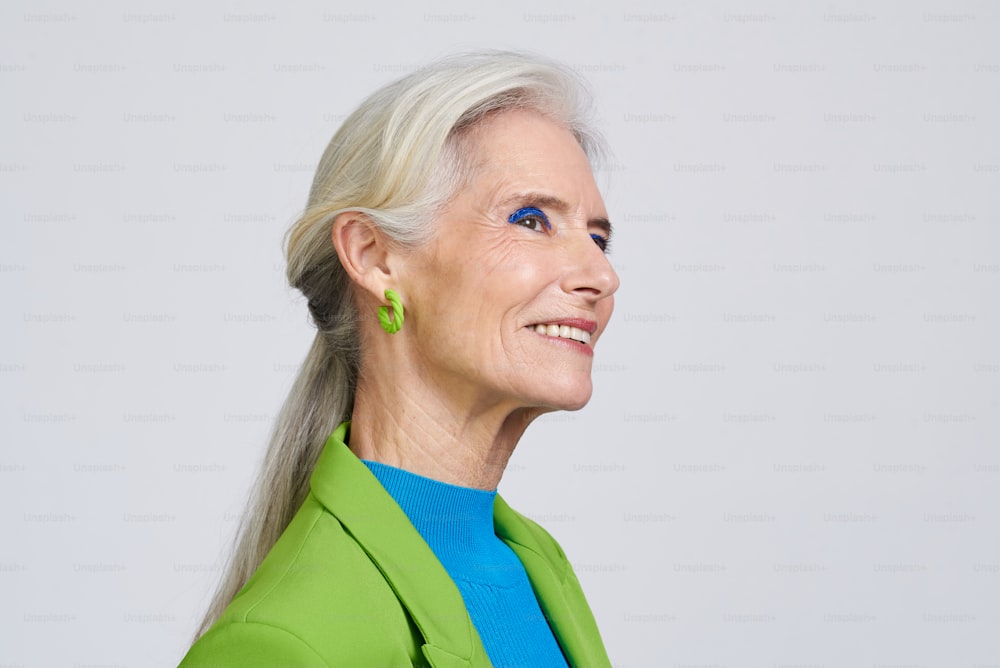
[(527, 211), (601, 242)]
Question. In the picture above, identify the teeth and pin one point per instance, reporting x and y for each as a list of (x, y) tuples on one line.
[(564, 332)]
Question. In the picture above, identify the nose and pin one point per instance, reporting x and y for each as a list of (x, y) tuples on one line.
[(588, 271)]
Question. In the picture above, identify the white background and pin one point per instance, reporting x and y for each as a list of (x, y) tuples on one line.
[(791, 457)]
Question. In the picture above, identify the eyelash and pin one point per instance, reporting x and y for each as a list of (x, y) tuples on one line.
[(530, 213)]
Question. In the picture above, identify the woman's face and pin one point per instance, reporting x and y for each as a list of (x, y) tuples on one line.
[(515, 273)]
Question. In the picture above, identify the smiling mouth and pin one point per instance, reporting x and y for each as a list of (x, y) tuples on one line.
[(563, 332)]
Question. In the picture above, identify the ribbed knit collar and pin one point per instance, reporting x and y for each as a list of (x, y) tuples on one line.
[(456, 522)]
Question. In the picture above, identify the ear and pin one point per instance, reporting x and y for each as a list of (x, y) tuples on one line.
[(364, 251)]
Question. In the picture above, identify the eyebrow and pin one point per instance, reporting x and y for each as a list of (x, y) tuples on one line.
[(554, 203)]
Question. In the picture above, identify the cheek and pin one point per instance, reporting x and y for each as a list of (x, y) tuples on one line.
[(516, 270), (451, 302), (473, 283)]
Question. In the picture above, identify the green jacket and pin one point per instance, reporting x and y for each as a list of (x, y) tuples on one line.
[(350, 582)]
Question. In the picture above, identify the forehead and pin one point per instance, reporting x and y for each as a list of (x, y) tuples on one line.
[(523, 150)]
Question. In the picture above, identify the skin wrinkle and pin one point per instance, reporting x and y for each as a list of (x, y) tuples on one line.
[(450, 395)]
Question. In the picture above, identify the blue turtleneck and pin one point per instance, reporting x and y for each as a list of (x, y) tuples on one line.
[(457, 523)]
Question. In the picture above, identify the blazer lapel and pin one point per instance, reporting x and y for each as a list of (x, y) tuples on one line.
[(556, 587), (345, 486)]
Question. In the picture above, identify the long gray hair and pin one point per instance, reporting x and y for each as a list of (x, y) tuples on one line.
[(398, 158)]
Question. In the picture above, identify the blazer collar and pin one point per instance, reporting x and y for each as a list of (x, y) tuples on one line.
[(556, 587), (345, 486)]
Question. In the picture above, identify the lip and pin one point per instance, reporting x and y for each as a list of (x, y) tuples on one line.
[(580, 323), (588, 326), (567, 343)]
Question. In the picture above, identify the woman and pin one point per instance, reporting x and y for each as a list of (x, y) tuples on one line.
[(453, 256)]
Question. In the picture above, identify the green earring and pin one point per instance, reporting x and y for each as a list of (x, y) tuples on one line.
[(391, 326)]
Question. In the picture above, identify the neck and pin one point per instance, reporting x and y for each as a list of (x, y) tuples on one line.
[(407, 424)]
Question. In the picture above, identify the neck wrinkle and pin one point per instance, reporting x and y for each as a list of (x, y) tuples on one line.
[(403, 422)]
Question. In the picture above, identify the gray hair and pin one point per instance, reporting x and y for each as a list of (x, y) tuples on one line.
[(398, 159)]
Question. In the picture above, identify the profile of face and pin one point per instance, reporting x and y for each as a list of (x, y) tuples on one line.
[(513, 291)]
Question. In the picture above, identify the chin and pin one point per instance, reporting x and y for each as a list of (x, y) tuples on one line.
[(574, 406), (569, 397)]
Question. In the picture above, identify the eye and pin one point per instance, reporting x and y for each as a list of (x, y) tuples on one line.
[(602, 243), (531, 218)]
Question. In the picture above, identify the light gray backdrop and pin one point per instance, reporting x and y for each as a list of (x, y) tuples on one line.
[(791, 455)]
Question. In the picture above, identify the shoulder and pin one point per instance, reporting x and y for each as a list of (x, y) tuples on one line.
[(250, 644), (316, 595)]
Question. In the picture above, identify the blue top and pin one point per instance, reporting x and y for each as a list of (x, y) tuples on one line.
[(457, 523)]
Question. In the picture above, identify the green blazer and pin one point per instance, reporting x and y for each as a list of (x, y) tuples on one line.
[(350, 582)]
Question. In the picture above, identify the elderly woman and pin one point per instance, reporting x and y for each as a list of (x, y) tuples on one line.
[(453, 256)]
